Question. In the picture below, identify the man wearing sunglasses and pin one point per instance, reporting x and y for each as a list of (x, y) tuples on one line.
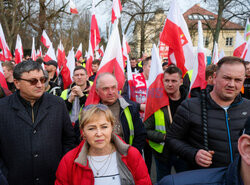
[(35, 129)]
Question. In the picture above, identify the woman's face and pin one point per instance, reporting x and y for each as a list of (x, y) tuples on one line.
[(98, 133)]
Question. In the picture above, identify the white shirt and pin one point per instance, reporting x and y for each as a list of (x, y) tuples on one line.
[(105, 169)]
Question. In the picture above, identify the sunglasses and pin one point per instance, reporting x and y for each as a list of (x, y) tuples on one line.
[(99, 106), (34, 81)]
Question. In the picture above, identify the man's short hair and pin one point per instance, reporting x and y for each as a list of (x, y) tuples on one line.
[(96, 61), (51, 62), (173, 69), (102, 75), (146, 61), (78, 68), (133, 58), (26, 66), (40, 60), (230, 60), (210, 69), (9, 65)]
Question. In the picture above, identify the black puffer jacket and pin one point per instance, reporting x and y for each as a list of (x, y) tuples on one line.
[(185, 136)]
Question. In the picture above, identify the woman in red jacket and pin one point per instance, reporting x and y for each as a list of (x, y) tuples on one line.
[(102, 157)]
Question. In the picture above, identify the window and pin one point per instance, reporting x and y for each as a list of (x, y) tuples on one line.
[(229, 41), (190, 17)]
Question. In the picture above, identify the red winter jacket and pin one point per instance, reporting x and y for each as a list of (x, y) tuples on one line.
[(74, 167)]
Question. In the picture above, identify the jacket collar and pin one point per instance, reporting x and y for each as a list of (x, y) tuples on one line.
[(120, 146), (123, 103)]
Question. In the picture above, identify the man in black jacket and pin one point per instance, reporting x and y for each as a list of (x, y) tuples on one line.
[(237, 173), (208, 138), (128, 124), (35, 129)]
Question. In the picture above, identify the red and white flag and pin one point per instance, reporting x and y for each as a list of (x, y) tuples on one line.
[(33, 50), (95, 37), (45, 40), (2, 78), (126, 47), (90, 58), (215, 58), (50, 55), (101, 51), (222, 54), (112, 62), (18, 50), (129, 70), (156, 95), (247, 55), (175, 34), (198, 76), (79, 52), (5, 55), (39, 53), (239, 46), (72, 6), (61, 60), (71, 62), (116, 10)]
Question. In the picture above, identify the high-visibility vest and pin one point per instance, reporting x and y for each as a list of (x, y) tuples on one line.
[(190, 73), (159, 127), (140, 64), (130, 125)]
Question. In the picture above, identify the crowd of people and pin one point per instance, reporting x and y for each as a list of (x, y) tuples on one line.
[(48, 135)]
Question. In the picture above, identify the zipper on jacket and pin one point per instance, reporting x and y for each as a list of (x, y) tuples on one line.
[(229, 137), (32, 115)]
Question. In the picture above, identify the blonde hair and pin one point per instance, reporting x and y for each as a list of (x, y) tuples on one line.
[(91, 112)]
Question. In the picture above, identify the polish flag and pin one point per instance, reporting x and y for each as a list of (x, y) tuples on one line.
[(112, 62), (129, 70), (215, 58), (79, 52), (90, 58), (125, 45), (73, 8), (45, 40), (175, 34), (65, 72), (33, 50), (39, 52), (116, 10), (95, 37), (240, 45), (5, 55), (198, 77), (101, 51), (247, 31), (247, 55), (156, 95), (50, 55), (71, 62), (2, 78), (18, 50), (222, 54)]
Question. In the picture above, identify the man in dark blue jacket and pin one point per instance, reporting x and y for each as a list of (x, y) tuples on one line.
[(128, 123), (35, 129), (236, 174)]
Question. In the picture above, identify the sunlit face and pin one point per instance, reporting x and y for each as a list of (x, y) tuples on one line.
[(95, 67), (172, 83), (7, 73), (80, 77), (98, 132), (28, 91), (107, 90), (146, 69), (228, 81)]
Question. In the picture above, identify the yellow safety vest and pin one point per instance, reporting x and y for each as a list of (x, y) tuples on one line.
[(159, 127), (130, 125), (140, 64)]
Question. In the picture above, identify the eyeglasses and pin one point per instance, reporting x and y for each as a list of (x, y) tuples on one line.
[(99, 106), (34, 81)]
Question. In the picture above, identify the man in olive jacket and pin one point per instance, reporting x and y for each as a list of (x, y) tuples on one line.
[(35, 129)]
